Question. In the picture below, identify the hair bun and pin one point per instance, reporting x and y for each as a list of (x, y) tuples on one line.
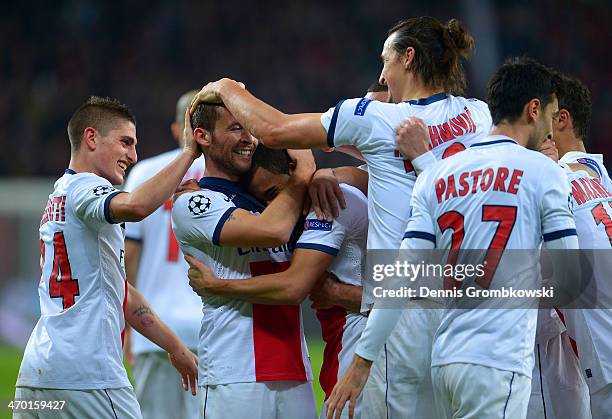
[(457, 38)]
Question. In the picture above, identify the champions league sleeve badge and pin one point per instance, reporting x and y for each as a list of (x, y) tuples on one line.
[(198, 205), (102, 190)]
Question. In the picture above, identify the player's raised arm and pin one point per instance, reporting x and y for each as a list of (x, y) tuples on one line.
[(136, 205), (274, 225), (272, 127)]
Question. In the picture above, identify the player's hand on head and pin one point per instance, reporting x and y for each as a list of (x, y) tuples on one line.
[(190, 185), (189, 143), (549, 149), (186, 363), (412, 138), (304, 163), (348, 388), (210, 93), (201, 277), (325, 195)]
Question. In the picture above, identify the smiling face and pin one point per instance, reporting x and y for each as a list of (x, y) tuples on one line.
[(231, 147), (115, 151)]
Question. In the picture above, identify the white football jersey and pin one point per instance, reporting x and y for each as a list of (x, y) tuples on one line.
[(77, 342), (162, 272), (345, 238), (592, 205), (594, 161), (499, 195), (239, 341), (454, 123)]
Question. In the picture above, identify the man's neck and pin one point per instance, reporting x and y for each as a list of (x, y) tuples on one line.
[(518, 132), (212, 171), (80, 165), (573, 144), (415, 89)]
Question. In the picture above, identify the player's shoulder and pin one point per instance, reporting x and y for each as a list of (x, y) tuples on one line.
[(198, 204), (354, 195), (538, 158), (593, 161), (84, 181), (365, 107), (475, 102), (356, 204)]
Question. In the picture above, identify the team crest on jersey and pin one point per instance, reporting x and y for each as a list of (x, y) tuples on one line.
[(102, 190), (198, 205), (314, 224)]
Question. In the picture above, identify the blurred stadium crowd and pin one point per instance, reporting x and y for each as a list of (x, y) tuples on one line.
[(298, 55)]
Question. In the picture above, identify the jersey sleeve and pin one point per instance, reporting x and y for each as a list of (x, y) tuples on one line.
[(555, 206), (482, 115), (328, 236), (90, 197), (348, 122), (200, 216), (421, 223)]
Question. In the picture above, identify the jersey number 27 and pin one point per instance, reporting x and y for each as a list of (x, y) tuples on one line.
[(504, 215)]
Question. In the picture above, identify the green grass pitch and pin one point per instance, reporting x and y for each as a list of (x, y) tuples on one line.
[(10, 358)]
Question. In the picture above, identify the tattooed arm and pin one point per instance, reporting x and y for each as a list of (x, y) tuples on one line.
[(143, 319)]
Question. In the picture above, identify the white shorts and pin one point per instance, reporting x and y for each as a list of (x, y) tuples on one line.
[(558, 389), (111, 403), (601, 403), (159, 389), (263, 400), (470, 391), (408, 372)]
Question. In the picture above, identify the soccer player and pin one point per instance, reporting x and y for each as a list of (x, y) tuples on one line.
[(422, 70), (338, 246), (592, 203), (155, 265), (253, 358), (495, 195), (74, 353)]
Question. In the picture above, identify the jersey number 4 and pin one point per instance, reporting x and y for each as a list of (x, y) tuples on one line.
[(61, 283), (505, 216), (601, 216)]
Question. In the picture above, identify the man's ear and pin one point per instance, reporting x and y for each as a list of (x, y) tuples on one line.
[(408, 57), (533, 109), (202, 137), (90, 138), (292, 166), (565, 120)]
